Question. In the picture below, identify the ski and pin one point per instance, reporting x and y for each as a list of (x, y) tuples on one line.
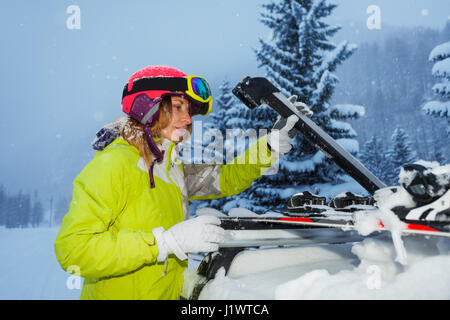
[(258, 90), (252, 233), (298, 225)]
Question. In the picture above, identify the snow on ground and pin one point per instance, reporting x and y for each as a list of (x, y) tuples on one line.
[(28, 266)]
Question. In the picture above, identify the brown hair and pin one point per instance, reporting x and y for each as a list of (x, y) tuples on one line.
[(132, 131)]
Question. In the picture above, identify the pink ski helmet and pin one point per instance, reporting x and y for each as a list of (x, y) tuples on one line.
[(146, 88)]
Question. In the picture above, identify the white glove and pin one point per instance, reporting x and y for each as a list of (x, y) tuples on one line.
[(280, 140), (200, 234), (300, 106), (282, 143)]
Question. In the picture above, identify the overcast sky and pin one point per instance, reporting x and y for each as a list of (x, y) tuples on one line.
[(58, 86)]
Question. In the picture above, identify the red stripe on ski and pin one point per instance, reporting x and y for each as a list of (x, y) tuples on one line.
[(296, 219), (419, 227), (412, 226)]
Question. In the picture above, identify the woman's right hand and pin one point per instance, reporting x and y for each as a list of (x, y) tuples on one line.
[(200, 234)]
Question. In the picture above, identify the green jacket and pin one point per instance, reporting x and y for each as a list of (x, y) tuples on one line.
[(107, 232)]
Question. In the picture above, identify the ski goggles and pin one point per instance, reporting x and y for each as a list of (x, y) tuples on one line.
[(195, 88)]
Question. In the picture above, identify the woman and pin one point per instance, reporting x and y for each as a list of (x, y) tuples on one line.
[(127, 229)]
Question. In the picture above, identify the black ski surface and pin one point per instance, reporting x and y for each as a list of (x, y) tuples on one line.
[(256, 91)]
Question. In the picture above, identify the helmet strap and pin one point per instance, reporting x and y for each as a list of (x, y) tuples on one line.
[(159, 155)]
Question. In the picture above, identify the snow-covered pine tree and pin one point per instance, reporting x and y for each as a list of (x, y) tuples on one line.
[(373, 156), (12, 218), (300, 59), (3, 199), (25, 210), (37, 211), (232, 124), (215, 129), (207, 133), (224, 102), (399, 154), (439, 156), (440, 56)]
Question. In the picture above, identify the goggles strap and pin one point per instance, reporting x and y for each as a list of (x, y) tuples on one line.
[(160, 83)]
